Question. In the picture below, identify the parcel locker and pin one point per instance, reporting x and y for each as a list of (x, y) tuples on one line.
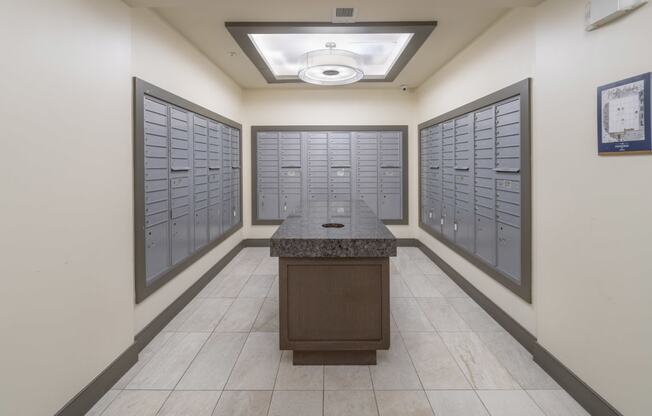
[(291, 177), (200, 180), (464, 195), (157, 238), (366, 168), (267, 164), (317, 180), (235, 176), (180, 184), (483, 184), (178, 189), (329, 169), (227, 178), (214, 180)]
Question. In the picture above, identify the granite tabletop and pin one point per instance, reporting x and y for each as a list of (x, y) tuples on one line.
[(356, 232)]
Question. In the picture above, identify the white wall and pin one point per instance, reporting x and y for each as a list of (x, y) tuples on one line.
[(500, 57), (593, 267), (66, 275), (332, 106), (164, 58), (591, 214), (67, 288)]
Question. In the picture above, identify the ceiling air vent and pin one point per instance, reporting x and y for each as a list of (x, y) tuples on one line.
[(344, 15)]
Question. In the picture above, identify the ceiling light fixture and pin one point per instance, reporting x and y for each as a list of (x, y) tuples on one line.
[(331, 66)]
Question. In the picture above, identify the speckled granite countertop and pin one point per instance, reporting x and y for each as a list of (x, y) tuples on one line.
[(362, 234)]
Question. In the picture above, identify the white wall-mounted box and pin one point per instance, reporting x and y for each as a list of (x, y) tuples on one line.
[(601, 12)]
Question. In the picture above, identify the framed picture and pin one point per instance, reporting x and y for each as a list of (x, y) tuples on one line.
[(624, 116)]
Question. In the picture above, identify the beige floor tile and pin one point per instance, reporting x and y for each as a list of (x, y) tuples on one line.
[(243, 403), (136, 403), (394, 369), (480, 367), (557, 403), (420, 285), (103, 403), (436, 367), (207, 315), (257, 286), (240, 317), (509, 403), (408, 315), (273, 290), (397, 287), (403, 403), (143, 358), (257, 364), (187, 403), (517, 360), (211, 368), (446, 286), (298, 377), (475, 317), (267, 320), (268, 265), (165, 369), (427, 266), (296, 403), (347, 377), (230, 285), (350, 403), (175, 324), (442, 315), (456, 403)]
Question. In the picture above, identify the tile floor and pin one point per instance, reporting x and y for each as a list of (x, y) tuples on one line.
[(220, 357)]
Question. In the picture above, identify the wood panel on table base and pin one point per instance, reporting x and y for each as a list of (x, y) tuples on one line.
[(334, 310)]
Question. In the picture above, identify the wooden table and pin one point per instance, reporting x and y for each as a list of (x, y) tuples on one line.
[(334, 284)]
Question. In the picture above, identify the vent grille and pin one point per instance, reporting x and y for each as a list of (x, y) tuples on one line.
[(344, 15), (344, 12)]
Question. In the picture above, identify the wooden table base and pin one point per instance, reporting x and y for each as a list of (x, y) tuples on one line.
[(334, 311), (334, 357)]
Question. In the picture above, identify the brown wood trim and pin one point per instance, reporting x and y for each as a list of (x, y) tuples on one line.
[(241, 31), (522, 89), (162, 319), (93, 392), (521, 334), (142, 88), (589, 399), (577, 388), (254, 164), (334, 357), (358, 344)]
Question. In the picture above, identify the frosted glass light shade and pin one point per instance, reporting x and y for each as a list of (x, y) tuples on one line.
[(284, 53), (331, 67)]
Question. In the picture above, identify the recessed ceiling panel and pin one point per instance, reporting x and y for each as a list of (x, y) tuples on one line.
[(277, 49), (283, 52)]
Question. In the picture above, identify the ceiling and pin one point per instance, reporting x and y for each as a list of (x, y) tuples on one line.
[(202, 23)]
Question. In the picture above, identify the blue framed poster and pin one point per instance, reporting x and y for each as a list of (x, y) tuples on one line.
[(624, 116)]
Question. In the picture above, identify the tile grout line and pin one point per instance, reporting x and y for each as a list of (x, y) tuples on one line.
[(108, 404)]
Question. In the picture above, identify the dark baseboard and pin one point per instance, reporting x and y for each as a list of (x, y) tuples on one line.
[(580, 391), (153, 328), (407, 242), (94, 391), (595, 404), (85, 399), (256, 242), (521, 334)]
